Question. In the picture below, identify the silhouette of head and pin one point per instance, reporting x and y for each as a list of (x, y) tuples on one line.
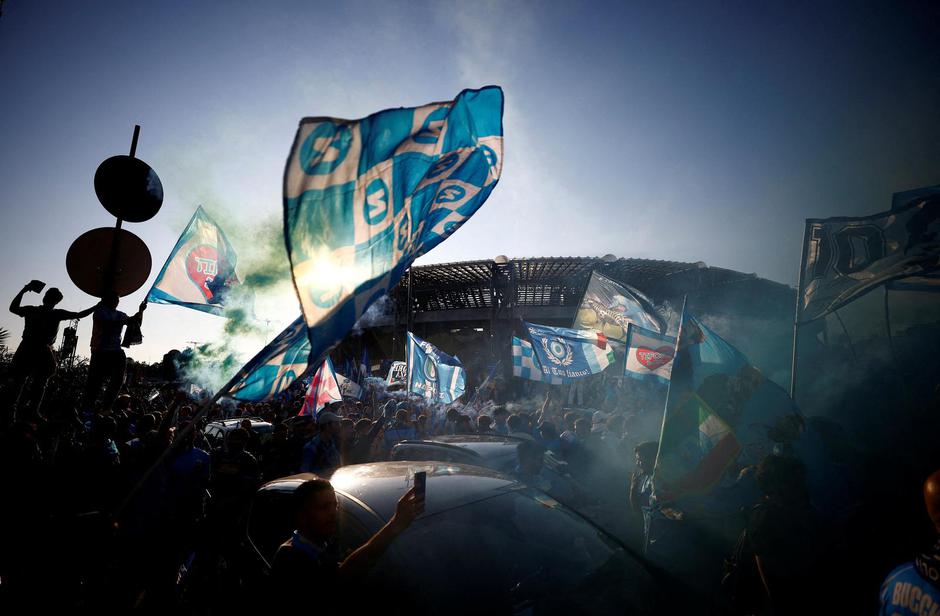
[(932, 498), (52, 297), (111, 300)]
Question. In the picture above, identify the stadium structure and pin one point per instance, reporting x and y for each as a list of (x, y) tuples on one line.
[(472, 308)]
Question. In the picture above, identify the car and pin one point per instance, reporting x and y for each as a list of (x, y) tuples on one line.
[(484, 544), (217, 431), (494, 451)]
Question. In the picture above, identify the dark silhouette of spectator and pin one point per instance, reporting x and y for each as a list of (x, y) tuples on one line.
[(108, 362), (321, 454), (914, 587), (366, 433), (484, 424), (278, 456), (34, 362), (310, 554), (776, 563), (641, 481), (254, 441)]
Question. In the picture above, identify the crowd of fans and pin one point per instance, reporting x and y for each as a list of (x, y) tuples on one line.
[(116, 502)]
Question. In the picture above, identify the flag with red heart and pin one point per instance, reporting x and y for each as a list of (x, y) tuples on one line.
[(649, 354)]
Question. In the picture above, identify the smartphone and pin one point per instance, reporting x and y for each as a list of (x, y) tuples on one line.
[(36, 285), (421, 484)]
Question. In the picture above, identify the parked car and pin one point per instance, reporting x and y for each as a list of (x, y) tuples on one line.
[(486, 544), (217, 431), (494, 451)]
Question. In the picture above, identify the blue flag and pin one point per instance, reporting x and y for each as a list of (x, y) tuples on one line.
[(525, 364), (200, 270), (364, 198), (719, 408), (275, 367), (434, 374), (610, 307), (569, 353)]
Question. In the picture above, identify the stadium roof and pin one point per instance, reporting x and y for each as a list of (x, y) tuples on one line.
[(560, 281)]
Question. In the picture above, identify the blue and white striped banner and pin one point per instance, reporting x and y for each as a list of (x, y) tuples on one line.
[(363, 199), (525, 365), (275, 367)]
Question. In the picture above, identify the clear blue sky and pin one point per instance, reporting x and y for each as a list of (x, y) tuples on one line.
[(683, 131)]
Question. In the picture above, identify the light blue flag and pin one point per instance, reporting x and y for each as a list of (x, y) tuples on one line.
[(274, 368), (525, 364), (434, 374), (200, 270), (364, 198), (569, 353)]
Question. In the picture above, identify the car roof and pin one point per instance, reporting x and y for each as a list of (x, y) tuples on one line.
[(486, 446), (379, 485), (228, 423)]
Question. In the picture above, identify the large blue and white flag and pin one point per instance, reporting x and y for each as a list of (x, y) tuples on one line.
[(275, 367), (434, 374), (649, 354), (200, 270), (525, 364), (364, 198), (610, 307), (569, 353)]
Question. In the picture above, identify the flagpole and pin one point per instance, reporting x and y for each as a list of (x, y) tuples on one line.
[(798, 313), (846, 332), (675, 355), (894, 356), (407, 340)]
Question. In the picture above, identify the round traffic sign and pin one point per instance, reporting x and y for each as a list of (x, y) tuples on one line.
[(128, 188), (90, 263)]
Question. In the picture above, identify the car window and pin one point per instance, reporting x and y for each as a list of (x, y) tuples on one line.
[(517, 552)]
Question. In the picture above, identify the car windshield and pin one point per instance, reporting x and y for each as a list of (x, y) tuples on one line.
[(519, 552)]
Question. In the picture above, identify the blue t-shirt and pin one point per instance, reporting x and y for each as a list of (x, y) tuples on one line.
[(906, 593)]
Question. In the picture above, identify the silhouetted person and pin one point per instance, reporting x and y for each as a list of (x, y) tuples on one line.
[(34, 362), (914, 587), (108, 361)]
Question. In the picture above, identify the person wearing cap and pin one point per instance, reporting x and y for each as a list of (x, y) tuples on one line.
[(914, 587), (34, 361), (320, 454)]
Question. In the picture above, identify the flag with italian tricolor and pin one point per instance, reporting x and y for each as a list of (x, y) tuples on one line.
[(720, 408)]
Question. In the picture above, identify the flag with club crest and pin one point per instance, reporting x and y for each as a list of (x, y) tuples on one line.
[(434, 374), (569, 353), (200, 270), (845, 258), (719, 408), (274, 368), (609, 307), (649, 354), (364, 198), (525, 364), (323, 389)]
